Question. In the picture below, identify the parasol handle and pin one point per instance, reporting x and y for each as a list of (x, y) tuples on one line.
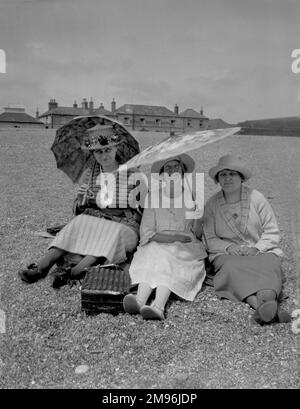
[(87, 192), (84, 197), (196, 204)]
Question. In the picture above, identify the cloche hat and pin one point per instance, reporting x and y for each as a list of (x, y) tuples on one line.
[(229, 162), (183, 158)]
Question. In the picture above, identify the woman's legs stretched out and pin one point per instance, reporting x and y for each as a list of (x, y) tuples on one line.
[(50, 258), (133, 303), (156, 310), (161, 297), (86, 262), (265, 295), (265, 304), (39, 270), (77, 272), (36, 272), (252, 301), (143, 293)]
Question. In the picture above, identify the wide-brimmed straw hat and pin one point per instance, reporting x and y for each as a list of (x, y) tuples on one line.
[(229, 162), (100, 137), (187, 162)]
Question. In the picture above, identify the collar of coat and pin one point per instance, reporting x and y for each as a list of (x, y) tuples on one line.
[(238, 229)]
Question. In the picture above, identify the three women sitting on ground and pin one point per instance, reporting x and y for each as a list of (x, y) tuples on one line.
[(240, 230)]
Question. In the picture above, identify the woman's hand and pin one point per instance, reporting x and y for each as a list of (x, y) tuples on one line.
[(82, 190), (84, 194), (249, 251), (234, 250)]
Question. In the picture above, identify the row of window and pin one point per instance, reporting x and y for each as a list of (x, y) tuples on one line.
[(126, 121), (158, 122)]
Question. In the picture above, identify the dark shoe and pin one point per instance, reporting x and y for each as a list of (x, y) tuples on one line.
[(61, 277), (79, 276), (283, 316), (256, 318), (32, 274), (267, 311)]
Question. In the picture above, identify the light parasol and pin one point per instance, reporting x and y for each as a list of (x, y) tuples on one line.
[(176, 145)]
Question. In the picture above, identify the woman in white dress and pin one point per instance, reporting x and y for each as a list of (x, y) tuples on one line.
[(105, 227), (170, 257)]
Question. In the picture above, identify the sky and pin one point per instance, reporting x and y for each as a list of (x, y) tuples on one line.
[(231, 57)]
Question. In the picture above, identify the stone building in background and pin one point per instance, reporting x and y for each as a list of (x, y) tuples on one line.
[(16, 117), (57, 116), (134, 117)]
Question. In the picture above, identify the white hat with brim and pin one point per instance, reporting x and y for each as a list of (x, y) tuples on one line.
[(232, 163), (183, 158)]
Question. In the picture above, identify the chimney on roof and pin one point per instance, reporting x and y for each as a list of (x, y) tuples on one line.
[(201, 111), (176, 109), (75, 105), (52, 104), (84, 104), (37, 114), (91, 106), (113, 106)]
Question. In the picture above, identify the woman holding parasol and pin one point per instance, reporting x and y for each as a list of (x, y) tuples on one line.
[(170, 256), (106, 226)]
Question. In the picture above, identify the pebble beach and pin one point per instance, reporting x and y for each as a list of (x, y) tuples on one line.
[(46, 341)]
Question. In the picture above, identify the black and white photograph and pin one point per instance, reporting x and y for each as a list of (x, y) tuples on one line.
[(150, 197)]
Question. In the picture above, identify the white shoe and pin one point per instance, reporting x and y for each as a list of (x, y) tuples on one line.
[(152, 312), (131, 304)]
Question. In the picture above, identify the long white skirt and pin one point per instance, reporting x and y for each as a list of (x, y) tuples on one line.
[(94, 236), (174, 265)]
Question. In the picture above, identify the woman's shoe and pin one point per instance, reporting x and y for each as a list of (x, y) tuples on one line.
[(152, 312), (32, 274), (267, 311), (283, 316), (131, 304), (61, 277)]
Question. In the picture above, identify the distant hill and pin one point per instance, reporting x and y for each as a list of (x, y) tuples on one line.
[(288, 126), (218, 123)]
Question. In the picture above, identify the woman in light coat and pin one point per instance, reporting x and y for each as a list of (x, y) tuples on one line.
[(242, 238)]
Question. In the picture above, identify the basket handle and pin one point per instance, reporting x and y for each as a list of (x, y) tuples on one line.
[(110, 265)]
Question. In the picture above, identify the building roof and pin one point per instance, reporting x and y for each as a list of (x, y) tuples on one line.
[(152, 110), (65, 111), (18, 117), (102, 111), (191, 113), (71, 111)]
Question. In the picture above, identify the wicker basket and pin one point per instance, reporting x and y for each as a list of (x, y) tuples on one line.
[(104, 288)]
